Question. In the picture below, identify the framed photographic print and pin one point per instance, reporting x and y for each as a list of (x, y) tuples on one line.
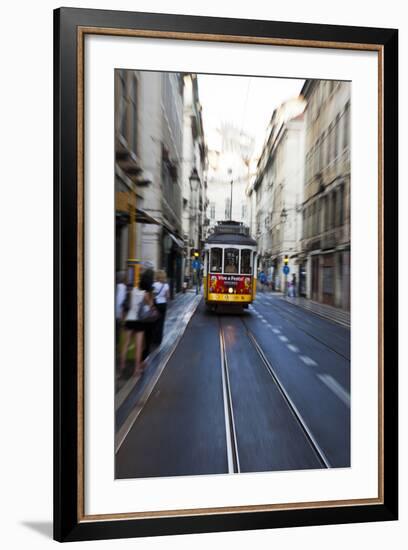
[(225, 274)]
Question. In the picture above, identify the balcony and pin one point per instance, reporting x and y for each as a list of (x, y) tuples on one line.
[(332, 238), (127, 159)]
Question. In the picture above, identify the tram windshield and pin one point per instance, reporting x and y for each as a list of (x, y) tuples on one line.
[(246, 262), (216, 260), (231, 260)]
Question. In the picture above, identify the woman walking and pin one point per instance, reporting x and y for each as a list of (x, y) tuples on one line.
[(120, 297), (134, 325), (161, 296)]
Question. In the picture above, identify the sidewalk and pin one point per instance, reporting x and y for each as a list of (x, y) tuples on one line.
[(129, 392), (335, 314)]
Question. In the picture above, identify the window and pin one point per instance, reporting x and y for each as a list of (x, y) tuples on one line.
[(231, 256), (333, 141), (246, 262), (326, 214), (321, 214), (313, 222), (315, 159), (133, 114), (316, 218), (329, 140), (322, 150), (341, 205), (346, 126), (123, 107), (216, 260), (308, 166), (332, 211), (336, 136), (243, 211)]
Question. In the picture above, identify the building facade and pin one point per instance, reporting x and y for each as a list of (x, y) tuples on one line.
[(325, 256), (278, 189), (148, 171), (194, 183), (130, 175)]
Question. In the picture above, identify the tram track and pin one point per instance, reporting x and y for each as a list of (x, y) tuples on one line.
[(292, 407), (294, 320), (230, 432), (233, 445)]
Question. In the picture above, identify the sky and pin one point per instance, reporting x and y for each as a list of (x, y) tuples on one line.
[(247, 102)]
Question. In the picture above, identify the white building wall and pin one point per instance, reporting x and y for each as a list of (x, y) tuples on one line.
[(188, 155), (150, 136), (292, 175)]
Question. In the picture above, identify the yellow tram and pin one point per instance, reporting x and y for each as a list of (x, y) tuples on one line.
[(230, 261)]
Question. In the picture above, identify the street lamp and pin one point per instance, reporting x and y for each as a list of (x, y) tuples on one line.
[(194, 183), (194, 178), (283, 215)]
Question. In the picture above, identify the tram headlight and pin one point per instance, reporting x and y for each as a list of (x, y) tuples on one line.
[(230, 290)]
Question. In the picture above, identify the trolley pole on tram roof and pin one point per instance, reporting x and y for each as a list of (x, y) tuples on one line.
[(232, 181)]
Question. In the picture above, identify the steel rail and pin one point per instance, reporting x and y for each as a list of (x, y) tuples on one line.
[(294, 410), (230, 432)]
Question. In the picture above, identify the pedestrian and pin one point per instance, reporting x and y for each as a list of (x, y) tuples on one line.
[(120, 297), (161, 292), (262, 279), (146, 284), (135, 326), (293, 285)]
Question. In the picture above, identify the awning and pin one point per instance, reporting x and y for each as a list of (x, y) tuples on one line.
[(176, 240), (141, 217)]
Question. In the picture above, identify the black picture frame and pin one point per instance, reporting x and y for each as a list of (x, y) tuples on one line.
[(69, 523)]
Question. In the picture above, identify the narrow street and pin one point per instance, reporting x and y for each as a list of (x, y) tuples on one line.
[(265, 390)]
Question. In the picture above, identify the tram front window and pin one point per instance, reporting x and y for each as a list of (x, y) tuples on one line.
[(231, 256), (246, 262), (216, 260)]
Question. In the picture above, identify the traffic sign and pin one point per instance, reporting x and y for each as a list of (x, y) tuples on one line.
[(286, 269), (196, 264)]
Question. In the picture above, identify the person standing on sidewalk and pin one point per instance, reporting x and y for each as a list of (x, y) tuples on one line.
[(120, 297), (134, 326), (262, 280), (161, 297), (293, 292)]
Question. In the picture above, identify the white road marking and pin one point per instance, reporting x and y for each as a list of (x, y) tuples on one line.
[(308, 361), (283, 338), (293, 348), (264, 320), (276, 330), (336, 388)]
